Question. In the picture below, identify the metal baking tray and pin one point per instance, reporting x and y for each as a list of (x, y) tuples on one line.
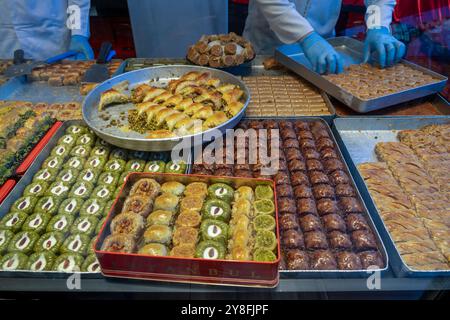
[(20, 187), (351, 51), (20, 89), (162, 75), (331, 273), (186, 270), (357, 138), (433, 105)]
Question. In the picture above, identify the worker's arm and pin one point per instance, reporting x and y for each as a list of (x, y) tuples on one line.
[(284, 20), (79, 9), (378, 38)]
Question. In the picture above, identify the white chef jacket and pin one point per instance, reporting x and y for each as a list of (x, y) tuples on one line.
[(39, 27), (271, 23)]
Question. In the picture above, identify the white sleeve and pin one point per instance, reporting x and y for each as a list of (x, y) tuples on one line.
[(284, 20), (379, 13), (83, 28)]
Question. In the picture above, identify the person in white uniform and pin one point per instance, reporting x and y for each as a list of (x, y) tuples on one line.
[(44, 28), (271, 23)]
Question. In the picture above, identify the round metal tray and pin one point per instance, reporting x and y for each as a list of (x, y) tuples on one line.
[(160, 76)]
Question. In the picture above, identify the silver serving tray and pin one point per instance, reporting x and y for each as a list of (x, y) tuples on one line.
[(161, 76), (351, 50), (357, 138), (16, 193), (331, 273)]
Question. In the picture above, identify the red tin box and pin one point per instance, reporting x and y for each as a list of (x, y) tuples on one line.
[(190, 270), (6, 188)]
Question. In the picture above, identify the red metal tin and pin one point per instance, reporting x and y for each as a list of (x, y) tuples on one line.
[(6, 188), (26, 163), (191, 270)]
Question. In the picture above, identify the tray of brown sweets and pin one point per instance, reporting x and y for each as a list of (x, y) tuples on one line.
[(325, 227)]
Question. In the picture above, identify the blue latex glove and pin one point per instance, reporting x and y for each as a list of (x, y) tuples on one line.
[(389, 50), (81, 45), (321, 54)]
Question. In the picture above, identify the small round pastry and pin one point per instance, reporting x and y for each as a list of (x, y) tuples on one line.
[(307, 144), (328, 153), (339, 240), (185, 235), (76, 163), (345, 190), (36, 189), (67, 140), (203, 60), (157, 233), (41, 261), (292, 239), (297, 260), (24, 204), (305, 134), (210, 250), (154, 249), (263, 192), (221, 191), (128, 223), (306, 206), (71, 206), (95, 163), (47, 205), (115, 165), (89, 175), (296, 166), (321, 191), (119, 243), (155, 166), (302, 191), (310, 222), (191, 203), (348, 261), (84, 225), (108, 179), (324, 143), (332, 165), (363, 240), (264, 206), (199, 189), (82, 151), (350, 205), (118, 153), (370, 259), (183, 251), (36, 222), (188, 219), (293, 154), (68, 176), (216, 209), (101, 151), (318, 177), (299, 178), (314, 165), (75, 244), (315, 240), (53, 163), (76, 130), (326, 206), (61, 151), (14, 261), (69, 263), (286, 206), (60, 223), (82, 190), (166, 201), (264, 255), (138, 204), (334, 222), (266, 240), (45, 175), (23, 242), (311, 154), (162, 217), (13, 221), (91, 264), (5, 238), (214, 230), (175, 167), (174, 187), (146, 187), (281, 178), (264, 222), (356, 222), (288, 134), (322, 260)]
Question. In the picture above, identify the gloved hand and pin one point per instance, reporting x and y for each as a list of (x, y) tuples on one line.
[(389, 50), (321, 54), (81, 45)]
